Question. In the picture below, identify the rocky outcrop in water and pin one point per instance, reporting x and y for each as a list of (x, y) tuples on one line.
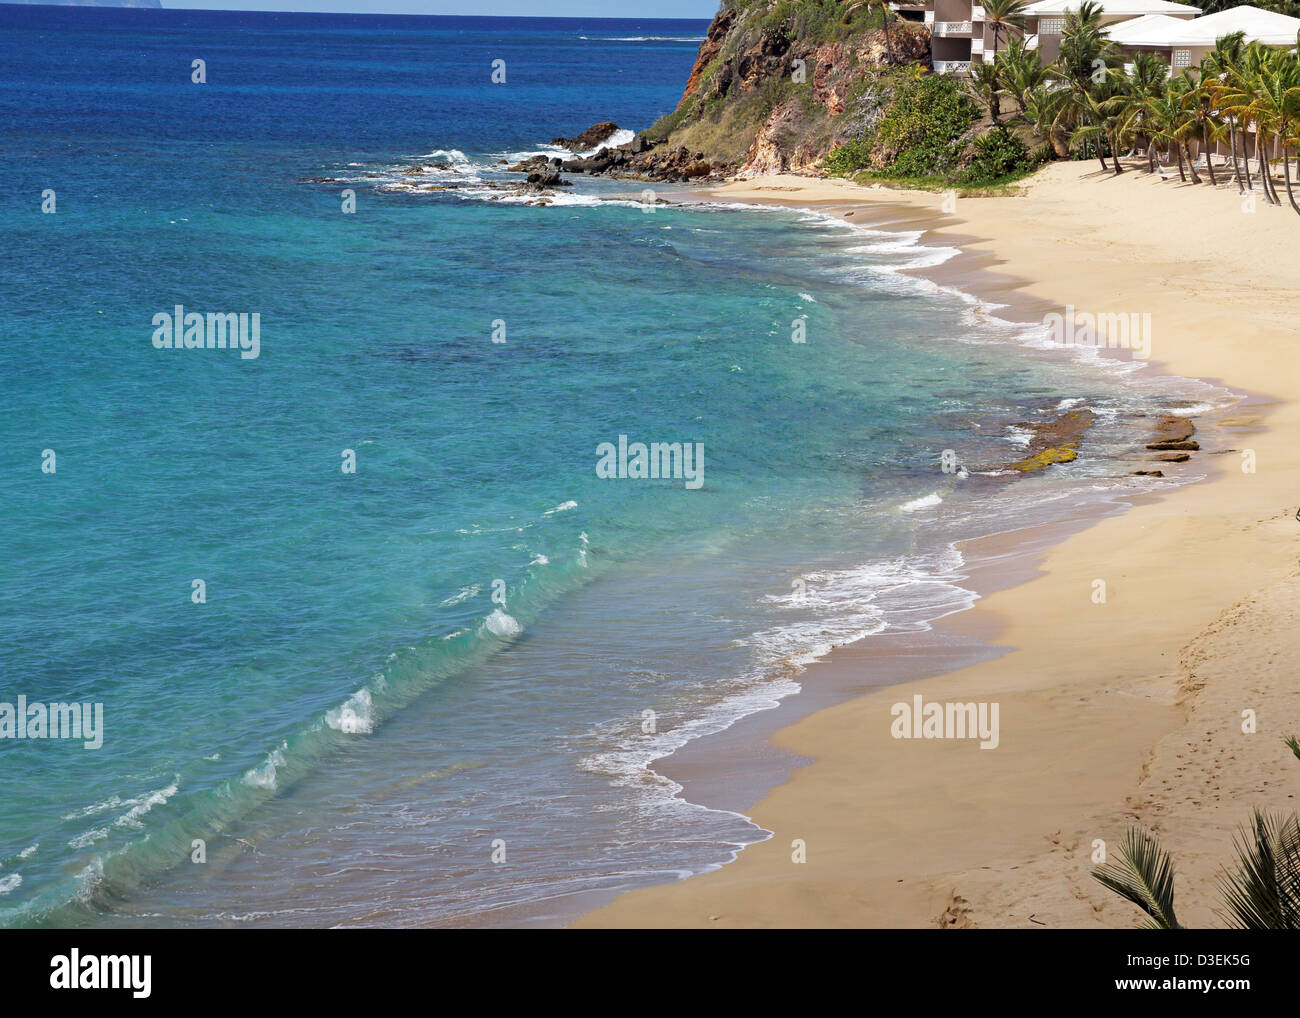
[(1055, 441), (590, 138), (1173, 439)]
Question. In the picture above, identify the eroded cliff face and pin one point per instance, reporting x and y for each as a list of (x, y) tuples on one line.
[(775, 88)]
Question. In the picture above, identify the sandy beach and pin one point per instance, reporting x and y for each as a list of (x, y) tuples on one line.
[(1125, 712)]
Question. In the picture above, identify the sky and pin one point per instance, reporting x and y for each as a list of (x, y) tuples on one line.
[(502, 8)]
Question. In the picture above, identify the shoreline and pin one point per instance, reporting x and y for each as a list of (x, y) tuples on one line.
[(1079, 735)]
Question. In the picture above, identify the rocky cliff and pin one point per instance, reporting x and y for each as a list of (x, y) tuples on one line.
[(776, 87)]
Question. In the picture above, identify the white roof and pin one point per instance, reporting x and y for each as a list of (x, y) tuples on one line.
[(1149, 30), (1112, 8), (1260, 26)]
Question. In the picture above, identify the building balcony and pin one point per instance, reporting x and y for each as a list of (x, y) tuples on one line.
[(952, 66), (953, 28)]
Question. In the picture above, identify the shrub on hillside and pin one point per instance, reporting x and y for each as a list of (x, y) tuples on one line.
[(917, 135), (999, 156)]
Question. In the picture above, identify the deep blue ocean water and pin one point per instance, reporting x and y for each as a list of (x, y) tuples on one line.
[(350, 723)]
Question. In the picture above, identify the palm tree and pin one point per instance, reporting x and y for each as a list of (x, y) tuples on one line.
[(1042, 106), (1277, 102), (1187, 126), (1085, 57), (1022, 71), (1239, 97), (1004, 15), (1262, 893), (1202, 107), (1107, 106), (1145, 876), (1214, 70), (1144, 82), (985, 86), (1159, 117), (887, 14)]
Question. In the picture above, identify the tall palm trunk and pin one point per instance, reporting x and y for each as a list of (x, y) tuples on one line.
[(1209, 156), (1191, 166), (1114, 155), (1265, 178), (1272, 181), (1245, 158), (1179, 153), (1236, 166), (1286, 172)]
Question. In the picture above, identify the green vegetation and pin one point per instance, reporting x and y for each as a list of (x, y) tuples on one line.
[(1261, 893), (883, 121), (1240, 92), (1089, 105), (1291, 8), (1000, 156), (919, 133)]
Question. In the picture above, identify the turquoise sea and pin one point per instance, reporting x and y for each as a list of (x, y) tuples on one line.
[(348, 726)]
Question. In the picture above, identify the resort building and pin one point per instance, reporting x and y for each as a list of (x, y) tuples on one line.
[(1183, 43), (1046, 18), (960, 34)]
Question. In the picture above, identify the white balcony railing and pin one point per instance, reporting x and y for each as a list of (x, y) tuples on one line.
[(976, 47), (952, 66), (953, 28), (977, 13)]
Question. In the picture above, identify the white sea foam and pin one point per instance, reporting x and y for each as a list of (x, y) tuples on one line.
[(89, 879), (145, 803), (464, 594), (845, 606), (138, 807), (112, 802), (264, 775), (10, 883), (924, 502), (88, 838), (501, 624), (355, 716), (450, 155), (563, 507)]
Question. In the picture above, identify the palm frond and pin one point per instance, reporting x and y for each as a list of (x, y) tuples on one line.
[(1144, 875), (1264, 892)]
